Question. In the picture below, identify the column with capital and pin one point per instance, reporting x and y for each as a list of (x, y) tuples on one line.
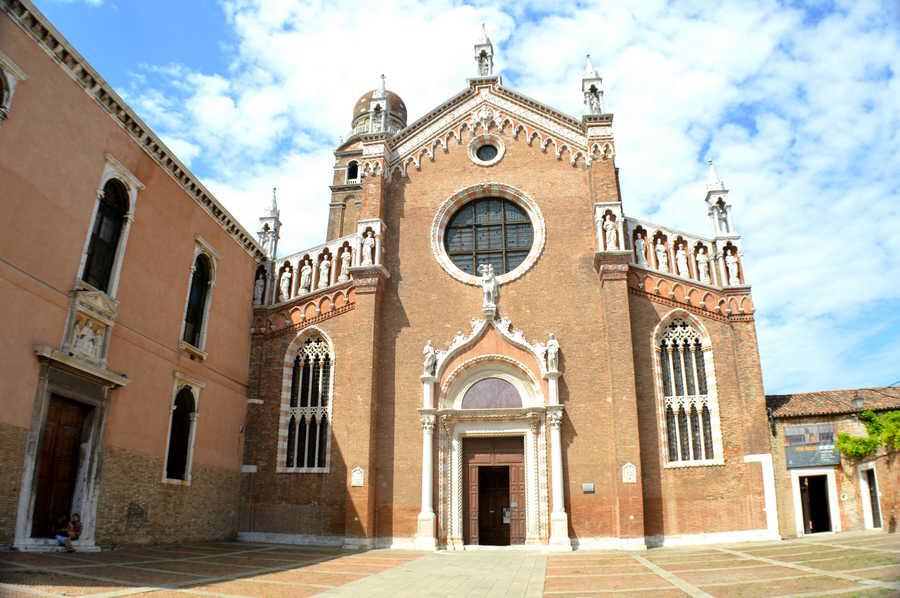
[(559, 520), (425, 531), (532, 517)]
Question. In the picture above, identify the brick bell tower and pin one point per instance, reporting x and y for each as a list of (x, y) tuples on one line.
[(356, 210), (357, 188)]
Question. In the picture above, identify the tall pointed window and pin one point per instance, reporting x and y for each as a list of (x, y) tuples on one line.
[(308, 439), (198, 300), (107, 231), (181, 436), (690, 407)]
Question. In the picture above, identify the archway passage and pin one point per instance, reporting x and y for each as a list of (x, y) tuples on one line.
[(494, 509)]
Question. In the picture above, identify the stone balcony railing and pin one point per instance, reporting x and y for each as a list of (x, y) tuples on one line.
[(321, 267)]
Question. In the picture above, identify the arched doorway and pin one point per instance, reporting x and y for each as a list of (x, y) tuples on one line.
[(493, 488)]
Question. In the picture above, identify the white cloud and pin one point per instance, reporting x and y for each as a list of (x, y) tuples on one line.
[(799, 109)]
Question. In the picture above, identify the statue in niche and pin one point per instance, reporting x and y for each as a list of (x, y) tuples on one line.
[(345, 266), (265, 239), (552, 354), (681, 260), (305, 277), (488, 287), (611, 239), (662, 256), (484, 65), (731, 265), (703, 265), (324, 272), (429, 362), (86, 341), (722, 215), (284, 285), (259, 287), (592, 99), (368, 248), (641, 250)]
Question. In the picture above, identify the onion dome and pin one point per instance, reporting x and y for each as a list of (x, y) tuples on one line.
[(379, 110)]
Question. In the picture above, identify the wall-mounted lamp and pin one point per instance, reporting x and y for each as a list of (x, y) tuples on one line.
[(858, 402)]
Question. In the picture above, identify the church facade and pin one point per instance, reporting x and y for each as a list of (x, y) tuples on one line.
[(489, 348)]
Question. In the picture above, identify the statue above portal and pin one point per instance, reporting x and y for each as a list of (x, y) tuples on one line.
[(489, 288)]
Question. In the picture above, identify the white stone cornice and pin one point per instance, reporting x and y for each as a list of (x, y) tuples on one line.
[(521, 112)]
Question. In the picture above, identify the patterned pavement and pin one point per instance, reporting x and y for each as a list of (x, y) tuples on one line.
[(832, 565)]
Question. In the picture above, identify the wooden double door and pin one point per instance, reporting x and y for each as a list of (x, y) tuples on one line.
[(494, 482), (58, 463)]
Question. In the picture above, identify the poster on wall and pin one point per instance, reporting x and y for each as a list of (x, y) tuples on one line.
[(810, 445)]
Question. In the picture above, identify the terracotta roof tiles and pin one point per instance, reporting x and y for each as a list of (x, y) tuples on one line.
[(833, 402)]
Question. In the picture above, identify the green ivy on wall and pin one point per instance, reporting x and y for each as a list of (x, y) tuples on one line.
[(883, 429)]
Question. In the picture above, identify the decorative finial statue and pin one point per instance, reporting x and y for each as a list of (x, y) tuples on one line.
[(488, 289), (611, 236), (592, 87), (703, 265), (640, 250), (731, 266), (259, 288), (552, 354), (270, 227), (284, 285), (662, 256), (368, 248), (484, 54), (306, 277), (429, 361)]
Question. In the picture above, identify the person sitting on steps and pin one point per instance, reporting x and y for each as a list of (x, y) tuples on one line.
[(68, 531)]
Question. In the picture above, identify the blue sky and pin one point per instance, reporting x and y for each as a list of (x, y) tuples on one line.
[(796, 102)]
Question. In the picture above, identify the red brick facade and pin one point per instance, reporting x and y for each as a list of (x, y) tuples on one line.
[(627, 350), (603, 309)]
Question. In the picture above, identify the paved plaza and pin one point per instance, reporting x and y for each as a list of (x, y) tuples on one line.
[(829, 565)]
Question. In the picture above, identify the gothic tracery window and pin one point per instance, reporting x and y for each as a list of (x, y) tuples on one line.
[(492, 231), (688, 405), (310, 407)]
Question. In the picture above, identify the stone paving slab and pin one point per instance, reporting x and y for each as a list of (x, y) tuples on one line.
[(828, 565)]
